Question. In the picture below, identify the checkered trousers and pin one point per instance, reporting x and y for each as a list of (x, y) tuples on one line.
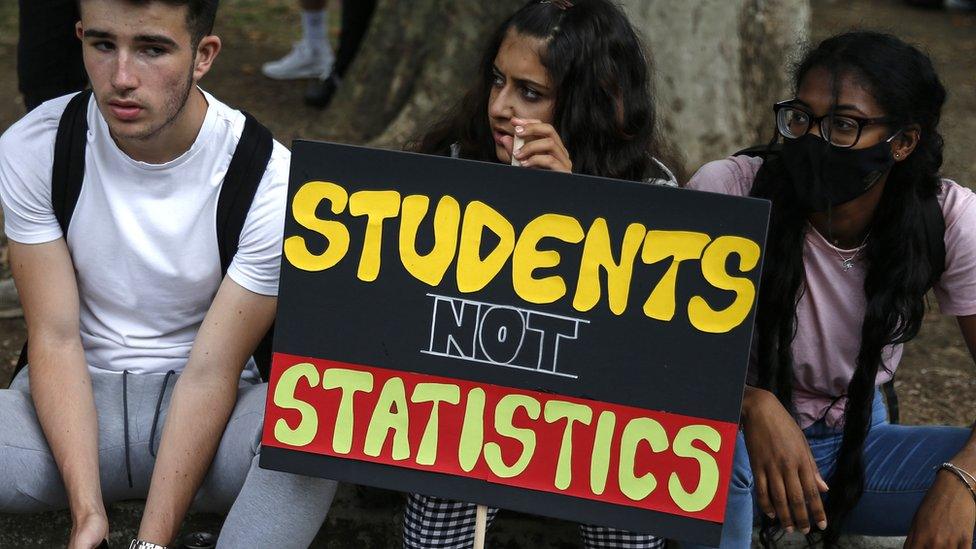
[(435, 523)]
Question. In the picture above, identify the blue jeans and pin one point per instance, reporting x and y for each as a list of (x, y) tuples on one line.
[(899, 467)]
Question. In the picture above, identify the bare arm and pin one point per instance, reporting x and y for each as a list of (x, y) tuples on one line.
[(203, 400), (59, 380), (947, 514)]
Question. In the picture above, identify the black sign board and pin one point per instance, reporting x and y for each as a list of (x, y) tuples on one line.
[(557, 344)]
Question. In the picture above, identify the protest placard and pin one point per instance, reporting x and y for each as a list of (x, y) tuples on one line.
[(556, 344)]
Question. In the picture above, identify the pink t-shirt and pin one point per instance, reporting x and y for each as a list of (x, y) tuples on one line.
[(831, 310)]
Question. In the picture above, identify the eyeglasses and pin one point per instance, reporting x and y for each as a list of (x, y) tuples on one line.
[(844, 131)]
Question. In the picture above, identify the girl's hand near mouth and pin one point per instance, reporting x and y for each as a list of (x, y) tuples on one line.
[(543, 147)]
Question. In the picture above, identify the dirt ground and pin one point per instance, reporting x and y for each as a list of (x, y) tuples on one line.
[(935, 381)]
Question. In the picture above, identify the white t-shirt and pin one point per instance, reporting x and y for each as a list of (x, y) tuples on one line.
[(143, 238)]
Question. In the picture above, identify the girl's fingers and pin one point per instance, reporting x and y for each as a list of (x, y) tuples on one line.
[(546, 161), (821, 483), (539, 161), (762, 495), (548, 145), (535, 130), (539, 146), (796, 497), (811, 494), (541, 140), (516, 121), (777, 492)]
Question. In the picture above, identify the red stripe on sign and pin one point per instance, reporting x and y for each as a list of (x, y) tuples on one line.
[(583, 448)]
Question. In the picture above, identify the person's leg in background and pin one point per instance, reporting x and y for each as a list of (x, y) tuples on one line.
[(604, 537), (311, 56), (356, 17), (49, 65), (49, 62), (436, 523)]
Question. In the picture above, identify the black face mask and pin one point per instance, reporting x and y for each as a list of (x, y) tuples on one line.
[(825, 176)]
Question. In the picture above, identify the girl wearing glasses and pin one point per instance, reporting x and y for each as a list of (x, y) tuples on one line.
[(847, 268), (570, 79)]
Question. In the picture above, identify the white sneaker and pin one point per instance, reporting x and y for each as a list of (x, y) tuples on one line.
[(303, 61)]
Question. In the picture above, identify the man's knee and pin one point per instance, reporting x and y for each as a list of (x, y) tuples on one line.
[(248, 415), (29, 481), (239, 444), (29, 477)]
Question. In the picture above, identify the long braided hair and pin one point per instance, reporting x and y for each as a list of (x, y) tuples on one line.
[(904, 83)]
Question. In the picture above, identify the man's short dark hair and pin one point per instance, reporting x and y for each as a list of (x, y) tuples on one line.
[(200, 15)]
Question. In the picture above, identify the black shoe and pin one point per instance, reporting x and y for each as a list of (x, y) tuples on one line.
[(199, 540), (320, 92)]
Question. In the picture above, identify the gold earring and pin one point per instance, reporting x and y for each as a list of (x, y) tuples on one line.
[(898, 155)]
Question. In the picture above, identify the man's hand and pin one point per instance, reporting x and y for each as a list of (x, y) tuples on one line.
[(89, 531), (788, 484)]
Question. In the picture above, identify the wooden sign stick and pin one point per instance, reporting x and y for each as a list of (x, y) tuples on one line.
[(480, 527)]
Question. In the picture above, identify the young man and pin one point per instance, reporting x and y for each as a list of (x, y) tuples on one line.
[(134, 291)]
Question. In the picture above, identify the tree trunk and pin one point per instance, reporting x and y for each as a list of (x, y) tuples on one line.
[(720, 65), (414, 64)]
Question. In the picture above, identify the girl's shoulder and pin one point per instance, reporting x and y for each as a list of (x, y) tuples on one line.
[(957, 202), (733, 175), (956, 289)]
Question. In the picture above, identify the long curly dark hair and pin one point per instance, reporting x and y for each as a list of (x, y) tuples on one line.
[(904, 83), (603, 111)]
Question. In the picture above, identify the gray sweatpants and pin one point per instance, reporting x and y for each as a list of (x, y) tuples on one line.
[(264, 508)]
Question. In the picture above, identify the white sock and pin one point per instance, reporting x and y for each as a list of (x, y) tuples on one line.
[(313, 28)]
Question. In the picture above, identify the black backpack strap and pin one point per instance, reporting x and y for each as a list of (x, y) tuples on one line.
[(240, 185), (67, 171), (241, 182)]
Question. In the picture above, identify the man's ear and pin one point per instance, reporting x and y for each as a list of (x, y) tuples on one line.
[(79, 30), (905, 144), (207, 51)]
